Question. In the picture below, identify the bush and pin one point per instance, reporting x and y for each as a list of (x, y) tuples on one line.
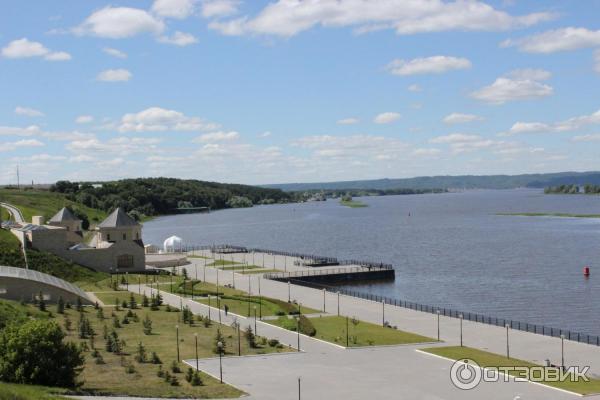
[(273, 342), (175, 367), (34, 353), (306, 327), (155, 359), (196, 380)]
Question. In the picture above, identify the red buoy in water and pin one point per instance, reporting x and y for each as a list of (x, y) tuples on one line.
[(586, 271)]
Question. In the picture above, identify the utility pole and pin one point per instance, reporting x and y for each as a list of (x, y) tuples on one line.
[(18, 178)]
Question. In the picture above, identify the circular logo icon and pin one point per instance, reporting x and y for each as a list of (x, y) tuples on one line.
[(465, 374)]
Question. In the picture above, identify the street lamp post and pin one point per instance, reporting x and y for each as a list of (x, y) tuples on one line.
[(289, 293), (139, 284), (298, 331), (438, 324), (324, 293), (298, 388), (196, 338), (259, 301), (220, 346), (338, 295), (507, 346), (562, 351), (239, 339), (209, 307), (255, 330), (383, 313), (347, 333), (461, 329), (177, 338), (126, 280)]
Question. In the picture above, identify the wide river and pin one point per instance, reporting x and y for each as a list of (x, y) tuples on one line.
[(450, 250)]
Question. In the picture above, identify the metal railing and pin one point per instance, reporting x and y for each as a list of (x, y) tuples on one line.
[(241, 249), (468, 316), (320, 272)]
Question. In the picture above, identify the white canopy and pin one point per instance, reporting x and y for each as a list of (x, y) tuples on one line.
[(173, 244)]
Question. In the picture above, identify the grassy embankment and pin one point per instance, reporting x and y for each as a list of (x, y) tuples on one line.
[(237, 301), (491, 360), (353, 203), (121, 374), (45, 203), (563, 215), (333, 329)]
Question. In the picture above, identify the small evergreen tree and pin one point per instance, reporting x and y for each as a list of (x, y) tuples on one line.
[(141, 353), (41, 302), (189, 374), (60, 306), (145, 301), (175, 367), (219, 337), (250, 337), (79, 305), (155, 359), (147, 323), (132, 302), (196, 380)]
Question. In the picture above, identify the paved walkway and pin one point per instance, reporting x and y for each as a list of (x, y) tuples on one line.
[(332, 372), (15, 212)]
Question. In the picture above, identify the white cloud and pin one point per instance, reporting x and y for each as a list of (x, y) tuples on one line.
[(219, 8), (458, 118), (414, 88), (114, 52), (180, 39), (160, 119), (594, 137), (563, 39), (455, 138), (386, 117), (17, 131), (114, 75), (290, 17), (84, 119), (119, 146), (597, 61), (217, 137), (428, 65), (521, 84), (28, 112), (119, 22), (348, 121), (265, 134), (24, 48), (179, 9), (12, 146), (426, 152), (355, 147), (568, 125)]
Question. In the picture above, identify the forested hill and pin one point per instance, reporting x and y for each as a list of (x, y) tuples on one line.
[(453, 182), (157, 196)]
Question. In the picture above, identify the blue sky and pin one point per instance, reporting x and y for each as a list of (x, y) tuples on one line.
[(297, 90)]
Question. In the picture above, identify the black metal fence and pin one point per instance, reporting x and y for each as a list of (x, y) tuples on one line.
[(447, 312), (227, 248)]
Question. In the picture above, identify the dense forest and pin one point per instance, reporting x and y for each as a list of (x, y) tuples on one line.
[(158, 196), (573, 189)]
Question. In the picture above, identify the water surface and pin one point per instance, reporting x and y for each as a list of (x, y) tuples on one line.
[(448, 249)]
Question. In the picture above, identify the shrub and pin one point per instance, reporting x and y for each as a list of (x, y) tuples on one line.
[(175, 367), (196, 380), (160, 373), (34, 353), (273, 342), (306, 327), (154, 359), (147, 323), (189, 374)]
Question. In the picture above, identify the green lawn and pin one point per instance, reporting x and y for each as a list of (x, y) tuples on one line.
[(45, 203), (353, 204), (258, 271), (333, 329), (239, 267), (221, 263), (110, 298), (10, 250), (491, 360), (12, 391), (564, 215)]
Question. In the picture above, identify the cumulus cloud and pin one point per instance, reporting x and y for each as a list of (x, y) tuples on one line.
[(459, 118), (428, 65), (386, 117), (11, 146), (114, 75), (28, 112), (178, 9), (160, 119), (353, 147), (426, 152), (25, 48), (84, 119), (17, 131), (180, 39), (523, 84), (563, 39), (114, 52), (597, 61), (119, 22), (348, 121), (414, 88), (219, 8), (594, 137), (455, 138), (217, 137), (289, 17), (568, 125)]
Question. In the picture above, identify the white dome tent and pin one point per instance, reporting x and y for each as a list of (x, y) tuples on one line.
[(174, 244)]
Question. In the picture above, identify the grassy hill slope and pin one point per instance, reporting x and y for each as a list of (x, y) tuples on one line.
[(45, 203)]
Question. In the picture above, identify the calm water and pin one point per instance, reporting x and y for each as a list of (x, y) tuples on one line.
[(451, 251)]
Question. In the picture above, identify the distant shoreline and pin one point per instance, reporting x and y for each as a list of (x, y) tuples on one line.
[(559, 215)]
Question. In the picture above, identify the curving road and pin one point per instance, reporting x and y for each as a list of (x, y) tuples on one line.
[(15, 212)]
